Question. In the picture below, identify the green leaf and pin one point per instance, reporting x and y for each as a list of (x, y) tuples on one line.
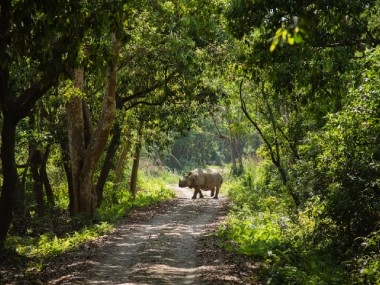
[(273, 45), (278, 32), (284, 34), (298, 38)]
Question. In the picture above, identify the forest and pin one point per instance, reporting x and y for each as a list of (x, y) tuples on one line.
[(104, 102)]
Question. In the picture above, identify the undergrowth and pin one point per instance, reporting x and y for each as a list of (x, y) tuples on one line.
[(58, 233), (263, 224), (151, 190)]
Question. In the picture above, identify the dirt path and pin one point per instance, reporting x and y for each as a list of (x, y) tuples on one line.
[(161, 250), (168, 244)]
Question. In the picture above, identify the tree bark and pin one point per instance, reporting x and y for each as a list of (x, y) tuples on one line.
[(136, 162), (20, 214), (9, 169), (108, 162), (76, 138), (85, 158), (67, 168), (35, 165), (45, 178), (120, 165)]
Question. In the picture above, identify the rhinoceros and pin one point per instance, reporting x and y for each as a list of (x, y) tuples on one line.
[(202, 179)]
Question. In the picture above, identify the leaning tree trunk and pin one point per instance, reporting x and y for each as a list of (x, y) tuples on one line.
[(97, 146), (108, 162), (273, 148)]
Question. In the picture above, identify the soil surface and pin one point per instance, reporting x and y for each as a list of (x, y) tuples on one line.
[(170, 243)]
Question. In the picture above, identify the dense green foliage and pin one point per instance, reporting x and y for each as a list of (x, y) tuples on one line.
[(263, 226), (316, 108), (285, 94), (295, 248)]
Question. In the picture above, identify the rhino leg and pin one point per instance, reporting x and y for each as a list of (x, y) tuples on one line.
[(217, 193), (196, 191), (212, 192)]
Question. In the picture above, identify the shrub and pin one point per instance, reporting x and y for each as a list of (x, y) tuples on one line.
[(261, 225)]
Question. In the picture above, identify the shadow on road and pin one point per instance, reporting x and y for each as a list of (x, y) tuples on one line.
[(159, 250)]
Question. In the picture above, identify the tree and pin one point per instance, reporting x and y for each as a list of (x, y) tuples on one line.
[(44, 55), (295, 87), (159, 76), (343, 160), (86, 147), (302, 101), (324, 23)]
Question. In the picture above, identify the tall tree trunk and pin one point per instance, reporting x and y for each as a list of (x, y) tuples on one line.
[(120, 165), (232, 154), (20, 214), (76, 138), (85, 158), (45, 178), (9, 169), (67, 168), (136, 162), (108, 162), (12, 113), (35, 165)]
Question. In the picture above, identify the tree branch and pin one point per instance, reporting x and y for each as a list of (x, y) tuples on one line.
[(146, 91)]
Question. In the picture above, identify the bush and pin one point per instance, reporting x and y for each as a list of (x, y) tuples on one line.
[(343, 164), (261, 225)]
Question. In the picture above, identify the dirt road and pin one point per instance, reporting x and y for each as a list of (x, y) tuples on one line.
[(172, 246), (161, 250)]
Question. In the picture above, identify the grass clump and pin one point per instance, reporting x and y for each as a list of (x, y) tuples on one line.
[(48, 244)]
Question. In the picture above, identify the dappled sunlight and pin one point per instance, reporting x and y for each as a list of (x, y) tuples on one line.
[(161, 250)]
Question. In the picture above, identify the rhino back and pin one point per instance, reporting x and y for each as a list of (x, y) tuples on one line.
[(208, 178)]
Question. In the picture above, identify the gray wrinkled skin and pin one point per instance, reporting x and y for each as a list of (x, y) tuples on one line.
[(202, 179)]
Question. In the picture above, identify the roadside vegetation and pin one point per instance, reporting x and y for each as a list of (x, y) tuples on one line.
[(309, 244), (57, 233), (281, 96)]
